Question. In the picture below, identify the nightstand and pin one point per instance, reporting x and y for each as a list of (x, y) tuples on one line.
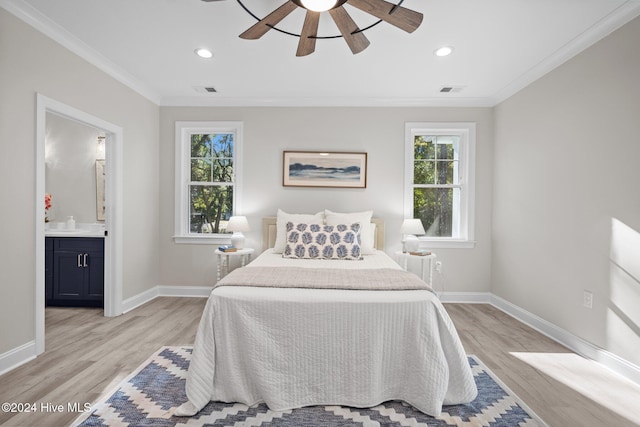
[(427, 264), (223, 260)]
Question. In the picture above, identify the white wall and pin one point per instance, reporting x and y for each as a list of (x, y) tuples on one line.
[(377, 131), (47, 68), (566, 214), (71, 150)]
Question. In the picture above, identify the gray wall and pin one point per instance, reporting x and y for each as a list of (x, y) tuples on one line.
[(55, 72), (566, 215), (377, 131)]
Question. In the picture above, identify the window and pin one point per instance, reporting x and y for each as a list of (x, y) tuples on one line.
[(207, 179), (439, 187)]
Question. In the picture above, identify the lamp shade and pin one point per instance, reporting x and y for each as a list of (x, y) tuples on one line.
[(412, 226), (238, 223)]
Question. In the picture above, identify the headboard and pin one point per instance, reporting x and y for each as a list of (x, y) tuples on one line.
[(269, 233)]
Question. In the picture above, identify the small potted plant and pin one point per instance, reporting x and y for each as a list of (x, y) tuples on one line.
[(47, 206)]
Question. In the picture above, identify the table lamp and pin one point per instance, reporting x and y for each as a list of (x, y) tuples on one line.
[(410, 228), (238, 224)]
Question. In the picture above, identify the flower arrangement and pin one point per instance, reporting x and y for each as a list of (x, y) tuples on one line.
[(47, 206)]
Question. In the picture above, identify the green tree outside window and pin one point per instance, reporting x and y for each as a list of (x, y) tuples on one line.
[(211, 184), (436, 190)]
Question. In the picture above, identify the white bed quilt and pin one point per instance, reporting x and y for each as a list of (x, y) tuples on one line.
[(294, 347)]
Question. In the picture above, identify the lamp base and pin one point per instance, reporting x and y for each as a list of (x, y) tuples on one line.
[(237, 240), (411, 243)]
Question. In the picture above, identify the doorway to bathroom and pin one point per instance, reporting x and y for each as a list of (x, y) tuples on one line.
[(109, 200)]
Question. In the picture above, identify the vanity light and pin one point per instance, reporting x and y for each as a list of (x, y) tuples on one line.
[(101, 147), (443, 51), (203, 53)]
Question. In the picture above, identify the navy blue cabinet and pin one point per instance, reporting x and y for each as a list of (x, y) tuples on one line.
[(74, 275)]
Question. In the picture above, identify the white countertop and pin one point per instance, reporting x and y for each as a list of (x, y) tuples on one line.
[(81, 230)]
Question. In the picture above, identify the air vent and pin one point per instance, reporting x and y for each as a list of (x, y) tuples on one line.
[(451, 89), (205, 89)]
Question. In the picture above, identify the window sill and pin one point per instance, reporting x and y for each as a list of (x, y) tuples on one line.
[(203, 240), (449, 243)]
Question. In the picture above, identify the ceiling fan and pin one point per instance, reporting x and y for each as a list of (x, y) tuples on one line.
[(406, 19)]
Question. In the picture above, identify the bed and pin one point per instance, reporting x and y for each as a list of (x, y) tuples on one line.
[(298, 346)]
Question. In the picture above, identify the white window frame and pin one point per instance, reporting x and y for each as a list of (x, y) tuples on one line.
[(466, 171), (184, 130)]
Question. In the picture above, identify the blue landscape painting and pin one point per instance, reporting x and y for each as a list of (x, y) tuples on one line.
[(324, 170)]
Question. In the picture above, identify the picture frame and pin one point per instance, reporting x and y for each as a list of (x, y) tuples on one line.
[(324, 169)]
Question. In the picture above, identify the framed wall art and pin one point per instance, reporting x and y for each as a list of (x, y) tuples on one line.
[(324, 169)]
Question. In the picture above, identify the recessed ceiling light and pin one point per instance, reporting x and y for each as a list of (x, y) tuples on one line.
[(444, 51), (203, 53)]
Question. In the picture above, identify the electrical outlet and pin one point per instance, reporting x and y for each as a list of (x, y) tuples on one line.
[(587, 299), (438, 266)]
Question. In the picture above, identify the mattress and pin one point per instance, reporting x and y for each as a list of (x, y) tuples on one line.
[(291, 347)]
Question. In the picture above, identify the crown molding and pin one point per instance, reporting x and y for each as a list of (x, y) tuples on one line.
[(216, 101), (27, 13)]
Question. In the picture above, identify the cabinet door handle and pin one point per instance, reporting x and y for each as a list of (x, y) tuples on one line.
[(85, 260), (79, 261)]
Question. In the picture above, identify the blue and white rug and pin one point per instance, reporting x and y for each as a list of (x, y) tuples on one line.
[(151, 393)]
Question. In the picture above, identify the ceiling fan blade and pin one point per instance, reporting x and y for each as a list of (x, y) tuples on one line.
[(403, 18), (307, 43), (261, 27), (357, 42)]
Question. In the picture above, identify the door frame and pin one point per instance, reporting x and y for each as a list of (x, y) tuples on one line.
[(113, 245)]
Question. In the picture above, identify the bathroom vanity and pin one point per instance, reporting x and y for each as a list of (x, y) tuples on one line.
[(74, 268)]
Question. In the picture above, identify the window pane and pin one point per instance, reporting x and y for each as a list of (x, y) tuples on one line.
[(424, 172), (222, 170), (222, 145), (200, 170), (424, 148), (201, 145), (447, 147), (434, 206), (210, 208), (446, 172)]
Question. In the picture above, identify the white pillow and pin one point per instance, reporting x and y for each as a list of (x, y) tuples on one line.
[(281, 226), (364, 218)]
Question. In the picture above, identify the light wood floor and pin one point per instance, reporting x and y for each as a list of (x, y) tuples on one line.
[(88, 354)]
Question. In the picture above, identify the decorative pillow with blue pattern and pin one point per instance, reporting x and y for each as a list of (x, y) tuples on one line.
[(318, 241)]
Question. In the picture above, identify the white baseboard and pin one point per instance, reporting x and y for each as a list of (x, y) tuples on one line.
[(465, 297), (185, 291), (165, 291), (137, 300), (574, 343), (17, 356)]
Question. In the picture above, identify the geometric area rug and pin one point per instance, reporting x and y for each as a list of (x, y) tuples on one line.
[(151, 393)]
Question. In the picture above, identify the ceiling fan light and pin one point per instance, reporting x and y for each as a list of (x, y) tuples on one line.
[(318, 5)]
